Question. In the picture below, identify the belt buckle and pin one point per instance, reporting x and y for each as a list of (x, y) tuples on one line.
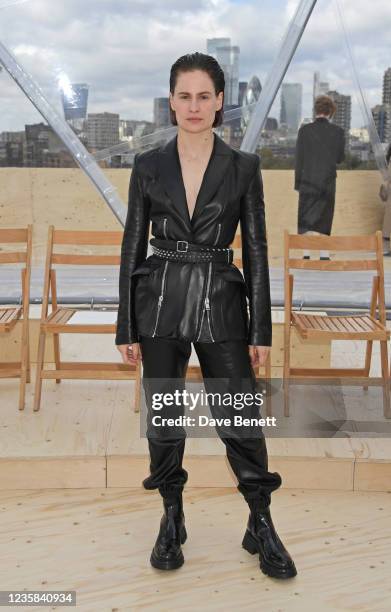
[(183, 242)]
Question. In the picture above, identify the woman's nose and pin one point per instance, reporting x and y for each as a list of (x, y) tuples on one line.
[(194, 105)]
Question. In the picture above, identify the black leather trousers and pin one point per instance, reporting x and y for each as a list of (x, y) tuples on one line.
[(168, 358)]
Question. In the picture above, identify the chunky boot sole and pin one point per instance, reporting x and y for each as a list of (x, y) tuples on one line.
[(163, 564), (251, 545)]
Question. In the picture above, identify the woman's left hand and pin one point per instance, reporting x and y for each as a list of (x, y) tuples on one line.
[(258, 355)]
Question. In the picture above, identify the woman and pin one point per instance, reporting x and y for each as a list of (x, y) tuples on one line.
[(195, 189)]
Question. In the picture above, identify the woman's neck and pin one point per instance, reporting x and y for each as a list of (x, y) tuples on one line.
[(196, 146)]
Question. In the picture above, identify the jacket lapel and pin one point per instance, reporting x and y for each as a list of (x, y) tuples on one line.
[(172, 180)]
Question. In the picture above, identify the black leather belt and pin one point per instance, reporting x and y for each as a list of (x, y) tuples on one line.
[(182, 250)]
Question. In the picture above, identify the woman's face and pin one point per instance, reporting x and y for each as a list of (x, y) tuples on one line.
[(194, 101)]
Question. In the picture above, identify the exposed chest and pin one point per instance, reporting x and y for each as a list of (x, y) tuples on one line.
[(192, 175)]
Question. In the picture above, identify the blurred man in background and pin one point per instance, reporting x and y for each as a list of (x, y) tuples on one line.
[(320, 147)]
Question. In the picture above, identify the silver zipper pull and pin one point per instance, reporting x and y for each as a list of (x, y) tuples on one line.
[(207, 306)]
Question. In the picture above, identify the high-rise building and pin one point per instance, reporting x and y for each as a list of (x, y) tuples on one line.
[(161, 112), (291, 101), (251, 95), (44, 148), (74, 98), (228, 57), (242, 91), (387, 86), (382, 118), (320, 88), (102, 130), (343, 114)]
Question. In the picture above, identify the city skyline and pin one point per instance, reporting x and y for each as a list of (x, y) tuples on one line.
[(125, 73)]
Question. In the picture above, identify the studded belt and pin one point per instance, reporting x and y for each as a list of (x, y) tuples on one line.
[(182, 250)]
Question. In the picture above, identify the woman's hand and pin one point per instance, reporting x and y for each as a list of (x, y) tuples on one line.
[(258, 355), (130, 352)]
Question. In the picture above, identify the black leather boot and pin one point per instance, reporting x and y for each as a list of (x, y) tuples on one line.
[(261, 537), (167, 553)]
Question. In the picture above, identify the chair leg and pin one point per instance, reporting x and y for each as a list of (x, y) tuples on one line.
[(368, 357), (386, 384), (56, 342), (23, 367), (28, 378), (38, 380), (285, 380)]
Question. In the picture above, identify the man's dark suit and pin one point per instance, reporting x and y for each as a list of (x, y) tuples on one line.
[(320, 147)]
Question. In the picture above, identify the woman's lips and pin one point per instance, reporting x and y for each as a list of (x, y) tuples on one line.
[(194, 119)]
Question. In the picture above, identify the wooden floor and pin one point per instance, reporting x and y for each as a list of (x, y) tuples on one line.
[(98, 542), (73, 512), (87, 435)]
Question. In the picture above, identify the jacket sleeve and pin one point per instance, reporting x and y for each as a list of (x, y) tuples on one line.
[(299, 159), (341, 151), (255, 260), (133, 253)]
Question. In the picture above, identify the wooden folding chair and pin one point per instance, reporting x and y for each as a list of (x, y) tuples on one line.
[(351, 327), (60, 318), (11, 314), (194, 371)]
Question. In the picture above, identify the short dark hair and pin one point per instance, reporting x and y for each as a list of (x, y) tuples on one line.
[(199, 61), (324, 105)]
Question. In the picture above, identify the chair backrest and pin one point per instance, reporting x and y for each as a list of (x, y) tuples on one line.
[(11, 236), (360, 243), (75, 238)]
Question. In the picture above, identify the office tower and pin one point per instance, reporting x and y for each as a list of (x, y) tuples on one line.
[(102, 130), (387, 86), (343, 113), (242, 91), (382, 118), (74, 98), (228, 57), (319, 88), (251, 95), (291, 100), (161, 112)]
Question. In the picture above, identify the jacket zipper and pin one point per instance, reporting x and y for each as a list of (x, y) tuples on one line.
[(207, 305), (165, 227), (218, 234), (159, 305)]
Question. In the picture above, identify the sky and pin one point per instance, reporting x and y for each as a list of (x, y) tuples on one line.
[(124, 48)]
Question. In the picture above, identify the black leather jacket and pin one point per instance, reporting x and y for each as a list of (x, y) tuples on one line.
[(231, 192)]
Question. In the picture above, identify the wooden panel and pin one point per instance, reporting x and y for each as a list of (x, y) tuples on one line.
[(337, 243), (12, 235), (52, 472), (83, 260), (372, 475), (333, 264), (215, 471), (13, 257), (77, 237)]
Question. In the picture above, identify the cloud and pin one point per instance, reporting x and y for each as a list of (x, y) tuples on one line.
[(124, 48)]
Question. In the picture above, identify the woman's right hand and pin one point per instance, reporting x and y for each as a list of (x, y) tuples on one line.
[(130, 353)]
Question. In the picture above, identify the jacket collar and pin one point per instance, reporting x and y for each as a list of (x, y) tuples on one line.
[(172, 180)]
